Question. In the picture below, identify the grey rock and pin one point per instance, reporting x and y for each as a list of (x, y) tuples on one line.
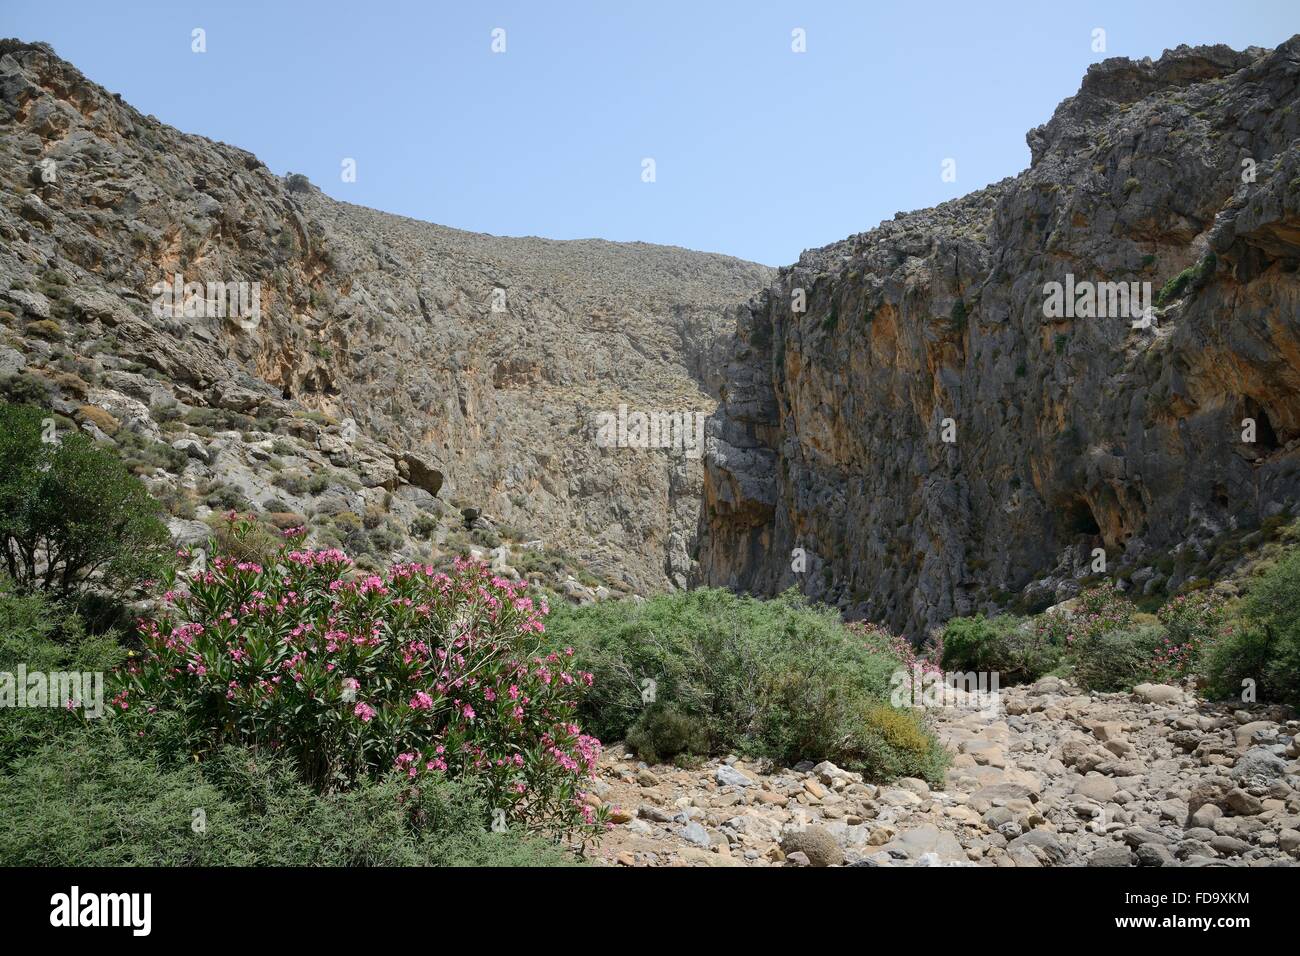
[(1111, 856), (1229, 846), (693, 832), (815, 842), (1154, 854), (731, 777), (1258, 766)]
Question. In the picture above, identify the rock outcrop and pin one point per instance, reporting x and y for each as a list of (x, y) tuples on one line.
[(447, 363), (938, 439)]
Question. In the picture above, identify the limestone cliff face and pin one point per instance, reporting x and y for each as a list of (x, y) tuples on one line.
[(1070, 433), (486, 357)]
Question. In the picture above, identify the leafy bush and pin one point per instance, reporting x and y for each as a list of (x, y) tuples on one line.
[(26, 389), (142, 455), (1116, 660), (1097, 611), (776, 678), (423, 527), (223, 497), (90, 798), (663, 733), (39, 634), (244, 539), (1018, 653), (47, 329), (1241, 658), (1191, 621), (888, 743), (1264, 647), (70, 512), (349, 679), (1190, 279)]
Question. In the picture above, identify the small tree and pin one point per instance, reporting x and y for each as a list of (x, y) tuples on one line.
[(70, 511)]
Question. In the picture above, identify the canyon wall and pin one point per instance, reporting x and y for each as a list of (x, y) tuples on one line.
[(934, 444)]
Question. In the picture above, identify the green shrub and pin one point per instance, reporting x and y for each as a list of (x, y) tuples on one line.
[(46, 329), (90, 798), (1264, 647), (888, 743), (423, 527), (1018, 653), (352, 679), (142, 455), (1241, 658), (778, 679), (243, 538), (223, 497), (1190, 279), (40, 634), (26, 389), (70, 511), (1116, 660), (663, 733), (217, 418)]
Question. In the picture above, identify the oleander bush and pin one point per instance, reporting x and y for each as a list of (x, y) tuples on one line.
[(83, 792), (1191, 622), (348, 678), (1097, 610)]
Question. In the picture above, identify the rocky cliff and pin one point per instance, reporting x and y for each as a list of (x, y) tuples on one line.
[(939, 438), (909, 427), (396, 373)]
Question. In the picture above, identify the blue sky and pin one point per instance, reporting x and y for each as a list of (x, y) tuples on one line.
[(759, 152)]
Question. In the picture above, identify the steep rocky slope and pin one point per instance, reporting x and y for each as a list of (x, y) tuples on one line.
[(378, 373), (1064, 434)]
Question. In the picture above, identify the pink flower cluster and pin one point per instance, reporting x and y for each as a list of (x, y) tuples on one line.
[(444, 675)]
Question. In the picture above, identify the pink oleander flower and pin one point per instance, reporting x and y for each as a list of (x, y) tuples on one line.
[(301, 628)]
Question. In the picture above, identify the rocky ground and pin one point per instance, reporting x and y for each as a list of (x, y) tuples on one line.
[(1051, 776)]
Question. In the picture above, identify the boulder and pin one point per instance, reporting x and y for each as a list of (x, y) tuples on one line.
[(421, 471), (815, 842), (1159, 694)]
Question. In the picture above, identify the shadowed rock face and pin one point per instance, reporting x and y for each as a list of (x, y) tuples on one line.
[(368, 316), (1070, 433)]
